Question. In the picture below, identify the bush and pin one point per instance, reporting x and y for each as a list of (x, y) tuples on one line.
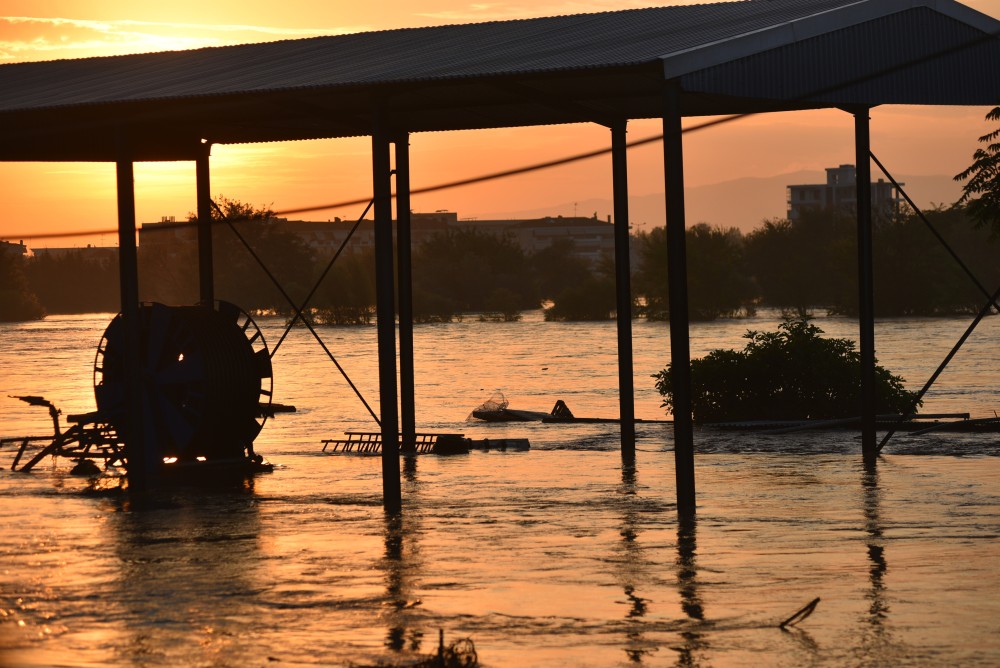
[(790, 374)]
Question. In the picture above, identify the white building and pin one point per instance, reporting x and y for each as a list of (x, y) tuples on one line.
[(840, 192)]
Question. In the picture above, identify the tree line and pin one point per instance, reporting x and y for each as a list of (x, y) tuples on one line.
[(802, 266)]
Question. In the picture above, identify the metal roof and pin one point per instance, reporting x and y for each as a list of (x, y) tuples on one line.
[(753, 55)]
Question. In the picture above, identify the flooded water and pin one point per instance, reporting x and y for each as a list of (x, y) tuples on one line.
[(553, 557)]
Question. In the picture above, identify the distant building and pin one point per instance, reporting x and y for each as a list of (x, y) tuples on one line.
[(840, 192), (17, 250), (591, 237)]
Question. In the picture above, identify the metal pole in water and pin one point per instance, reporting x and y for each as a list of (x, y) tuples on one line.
[(866, 290), (680, 350), (623, 291), (407, 406), (140, 462), (206, 282), (386, 318)]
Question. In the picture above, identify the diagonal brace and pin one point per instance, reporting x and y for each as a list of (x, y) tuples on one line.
[(304, 320)]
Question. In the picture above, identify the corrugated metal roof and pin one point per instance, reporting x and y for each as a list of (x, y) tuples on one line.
[(731, 57), (498, 48), (912, 57)]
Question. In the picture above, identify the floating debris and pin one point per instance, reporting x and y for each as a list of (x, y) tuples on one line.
[(801, 614)]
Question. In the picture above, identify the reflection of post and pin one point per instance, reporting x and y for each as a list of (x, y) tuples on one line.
[(687, 586), (878, 609), (632, 564), (398, 563), (410, 468)]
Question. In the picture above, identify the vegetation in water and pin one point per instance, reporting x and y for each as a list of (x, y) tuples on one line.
[(789, 374)]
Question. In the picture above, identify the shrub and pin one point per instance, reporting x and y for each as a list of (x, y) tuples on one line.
[(790, 374)]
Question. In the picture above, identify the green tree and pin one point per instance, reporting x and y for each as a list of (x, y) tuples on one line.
[(981, 193), (790, 374)]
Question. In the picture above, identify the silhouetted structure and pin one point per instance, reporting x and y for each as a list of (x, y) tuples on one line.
[(591, 238), (666, 63), (841, 192)]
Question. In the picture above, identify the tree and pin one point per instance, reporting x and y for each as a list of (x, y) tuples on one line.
[(591, 299), (790, 374), (458, 271), (238, 276), (74, 282), (983, 177), (17, 301), (347, 294), (804, 264), (556, 268), (718, 285)]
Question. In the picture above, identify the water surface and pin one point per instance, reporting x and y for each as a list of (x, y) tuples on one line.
[(553, 557)]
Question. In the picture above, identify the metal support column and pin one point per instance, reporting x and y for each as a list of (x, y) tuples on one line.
[(140, 462), (206, 282), (407, 407), (866, 292), (680, 351), (386, 317), (623, 292)]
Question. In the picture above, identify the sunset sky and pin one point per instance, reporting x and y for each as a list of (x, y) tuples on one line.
[(44, 197)]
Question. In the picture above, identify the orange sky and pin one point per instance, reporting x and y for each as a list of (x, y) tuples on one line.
[(49, 196)]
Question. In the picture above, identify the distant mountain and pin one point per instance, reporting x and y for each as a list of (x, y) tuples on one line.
[(742, 203)]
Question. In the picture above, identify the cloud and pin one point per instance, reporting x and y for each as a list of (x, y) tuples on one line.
[(28, 39)]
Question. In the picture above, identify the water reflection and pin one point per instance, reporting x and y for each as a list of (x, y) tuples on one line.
[(190, 575), (687, 586), (633, 564), (877, 640), (400, 560)]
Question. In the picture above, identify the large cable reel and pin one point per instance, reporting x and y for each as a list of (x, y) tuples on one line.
[(206, 380)]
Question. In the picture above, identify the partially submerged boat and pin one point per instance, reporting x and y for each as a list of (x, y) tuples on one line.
[(497, 409)]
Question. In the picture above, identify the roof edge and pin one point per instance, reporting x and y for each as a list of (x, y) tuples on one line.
[(709, 55)]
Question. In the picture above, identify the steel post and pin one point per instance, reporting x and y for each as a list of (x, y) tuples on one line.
[(680, 352), (407, 406), (386, 318), (623, 292), (206, 283), (866, 291), (140, 462)]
